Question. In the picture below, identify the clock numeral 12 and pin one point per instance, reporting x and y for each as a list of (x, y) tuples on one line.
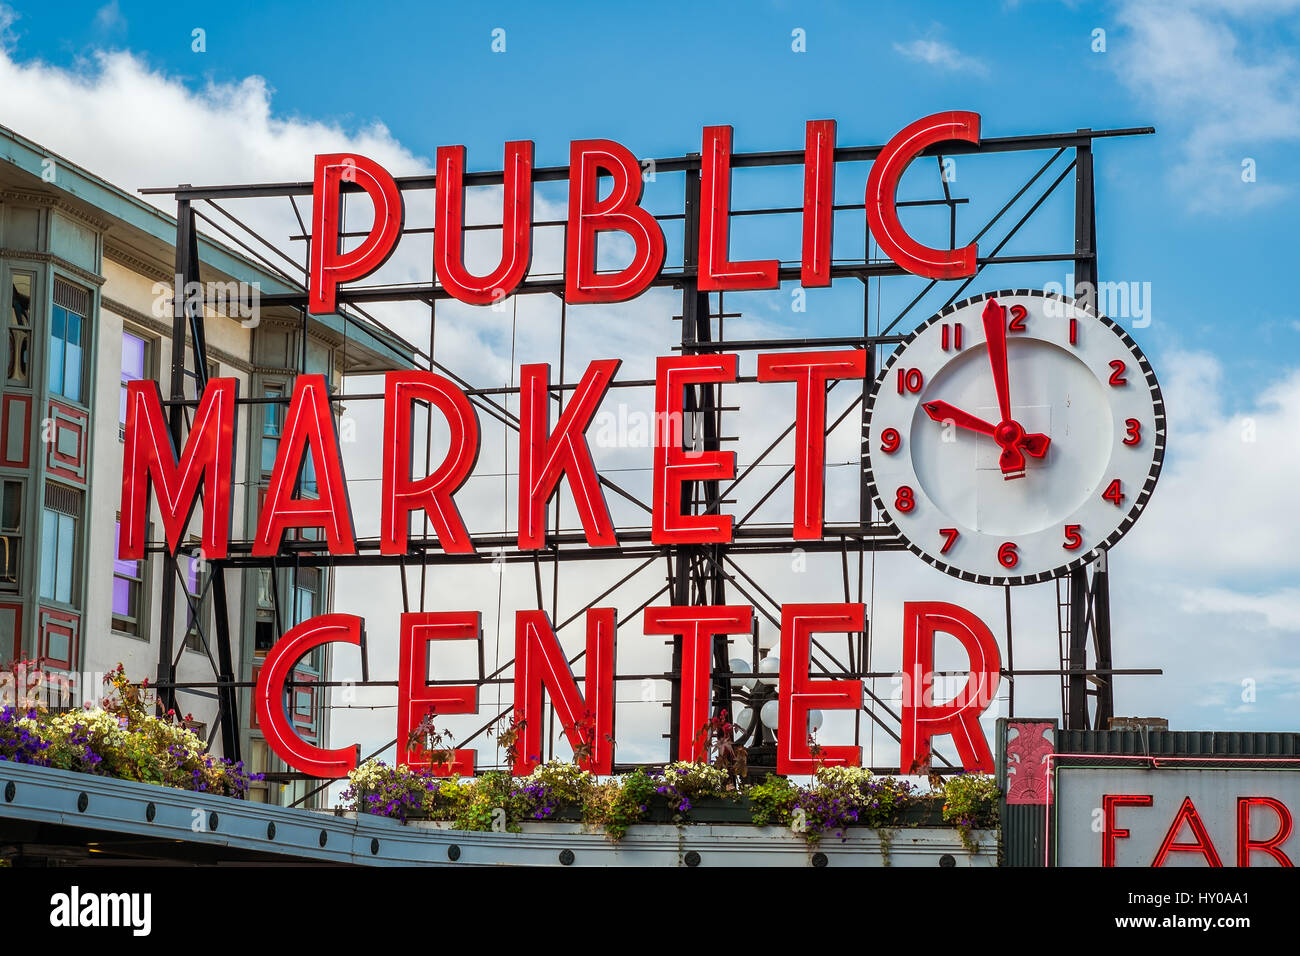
[(910, 380), (950, 538)]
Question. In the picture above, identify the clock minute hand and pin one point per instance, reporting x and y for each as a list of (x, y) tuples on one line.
[(995, 332)]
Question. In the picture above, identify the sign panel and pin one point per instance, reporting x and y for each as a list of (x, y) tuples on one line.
[(1166, 812)]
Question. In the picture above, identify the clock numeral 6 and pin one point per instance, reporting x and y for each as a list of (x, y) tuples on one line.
[(1018, 315), (904, 500), (1008, 557), (910, 380), (890, 440), (1134, 431), (950, 538), (1113, 493), (1073, 540)]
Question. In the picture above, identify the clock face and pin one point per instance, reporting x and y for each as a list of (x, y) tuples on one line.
[(1014, 436)]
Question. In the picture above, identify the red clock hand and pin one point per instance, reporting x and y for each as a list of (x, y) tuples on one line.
[(995, 331), (943, 412)]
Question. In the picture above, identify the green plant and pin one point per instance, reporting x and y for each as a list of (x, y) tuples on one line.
[(771, 800), (970, 800), (618, 804), (683, 783)]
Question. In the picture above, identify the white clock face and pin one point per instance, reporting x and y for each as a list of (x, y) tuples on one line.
[(1014, 436)]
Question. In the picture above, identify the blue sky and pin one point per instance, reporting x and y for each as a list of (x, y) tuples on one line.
[(651, 75), (1204, 584)]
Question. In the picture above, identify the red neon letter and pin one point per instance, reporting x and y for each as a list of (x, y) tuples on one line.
[(309, 425), (329, 264), (810, 371), (539, 662), (1203, 845), (516, 231), (800, 694), (400, 495), (588, 158), (696, 625), (149, 460), (1270, 846), (1110, 833), (544, 457), (717, 272), (818, 202), (272, 712), (416, 699), (674, 465), (882, 184), (922, 717)]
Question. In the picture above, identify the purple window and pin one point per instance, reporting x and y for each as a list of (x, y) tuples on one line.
[(135, 351), (128, 588)]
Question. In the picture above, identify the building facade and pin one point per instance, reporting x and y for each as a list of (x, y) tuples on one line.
[(86, 285)]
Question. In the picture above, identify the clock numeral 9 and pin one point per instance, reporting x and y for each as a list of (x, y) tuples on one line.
[(950, 536), (1134, 432), (1008, 557), (1113, 493), (910, 380), (1018, 315), (890, 441), (1073, 540), (904, 500), (1117, 369)]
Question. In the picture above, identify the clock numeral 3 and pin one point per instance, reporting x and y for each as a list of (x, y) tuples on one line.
[(904, 500), (1018, 315), (1134, 432), (910, 380), (1008, 557), (1073, 540), (1117, 369), (890, 441), (950, 538), (1113, 493)]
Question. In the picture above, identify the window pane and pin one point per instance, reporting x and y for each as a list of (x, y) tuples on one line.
[(133, 349), (12, 509), (67, 548), (22, 302), (72, 371), (57, 329), (49, 543), (123, 604)]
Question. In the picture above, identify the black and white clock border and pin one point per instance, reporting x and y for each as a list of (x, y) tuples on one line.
[(1075, 561)]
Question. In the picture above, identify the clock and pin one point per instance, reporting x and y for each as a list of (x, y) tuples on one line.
[(1013, 437)]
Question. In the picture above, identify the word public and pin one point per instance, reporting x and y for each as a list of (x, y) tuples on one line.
[(592, 160)]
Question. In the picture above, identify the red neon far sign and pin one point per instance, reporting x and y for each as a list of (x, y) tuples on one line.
[(620, 212)]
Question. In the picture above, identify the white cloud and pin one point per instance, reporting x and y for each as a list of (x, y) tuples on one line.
[(936, 53), (1218, 80)]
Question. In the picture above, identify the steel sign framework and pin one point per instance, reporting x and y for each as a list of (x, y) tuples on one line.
[(695, 574)]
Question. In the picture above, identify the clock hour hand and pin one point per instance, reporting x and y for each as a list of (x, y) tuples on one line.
[(1013, 439), (943, 412)]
